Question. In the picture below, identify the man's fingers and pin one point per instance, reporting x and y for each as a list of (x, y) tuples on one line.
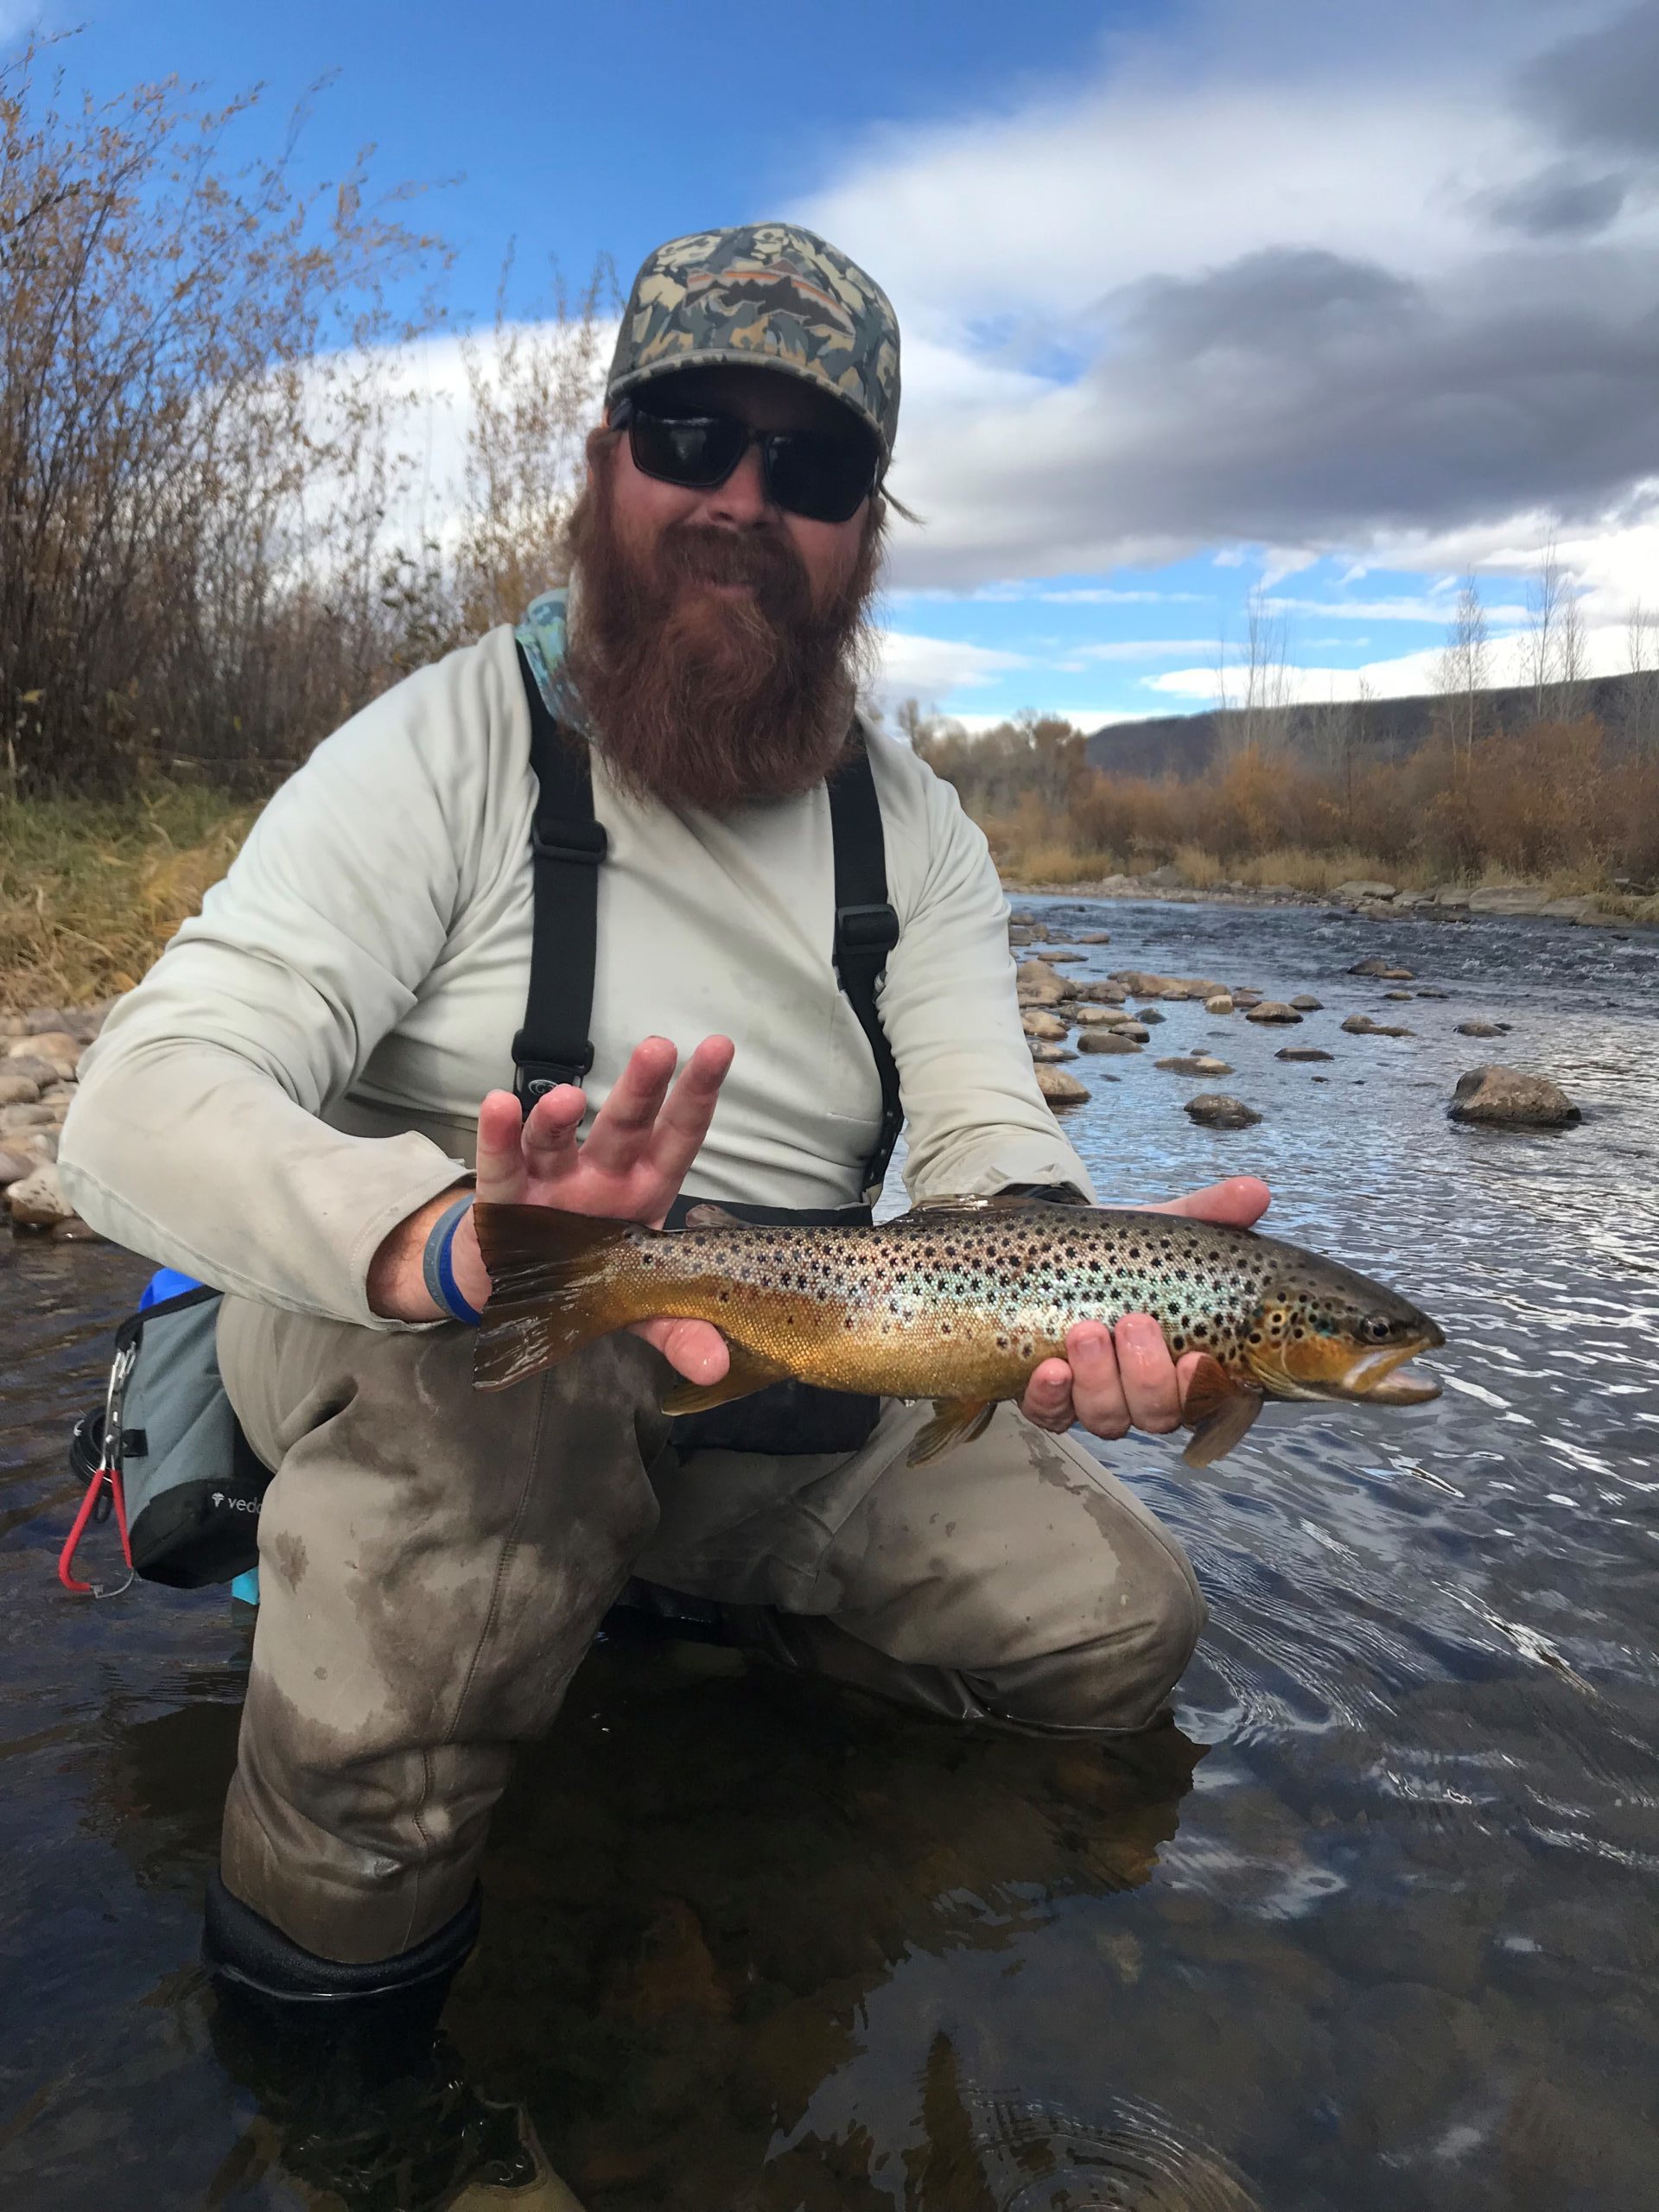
[(622, 1127), (1097, 1386), (502, 1176), (1150, 1388), (1238, 1202), (1048, 1401), (693, 1349), (683, 1122)]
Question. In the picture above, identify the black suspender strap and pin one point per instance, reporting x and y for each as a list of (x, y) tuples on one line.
[(867, 929), (567, 846)]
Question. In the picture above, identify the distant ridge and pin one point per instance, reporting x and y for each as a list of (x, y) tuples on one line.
[(1184, 745)]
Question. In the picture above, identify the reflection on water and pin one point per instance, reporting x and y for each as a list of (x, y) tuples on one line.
[(1371, 1926)]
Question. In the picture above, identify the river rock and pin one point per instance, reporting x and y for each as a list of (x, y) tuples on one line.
[(1217, 1109), (1512, 1100), (1089, 1017), (1037, 1021), (18, 1091), (1273, 1010), (37, 1202), (26, 1117), (1038, 984), (1103, 992), (1450, 894), (1244, 998), (1105, 1041), (1021, 933), (1059, 1088), (1383, 969), (1362, 888), (14, 1166), (1141, 983), (1508, 899), (1304, 1003), (1204, 1064), (1137, 1029), (1409, 898), (1567, 910), (1361, 1025), (1483, 1029), (1399, 995), (1045, 1052), (1220, 1003), (1094, 937), (1302, 1053), (40, 1146), (1166, 878), (1427, 991), (33, 1069), (1058, 954)]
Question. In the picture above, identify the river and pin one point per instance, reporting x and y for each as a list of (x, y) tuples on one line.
[(1375, 1924)]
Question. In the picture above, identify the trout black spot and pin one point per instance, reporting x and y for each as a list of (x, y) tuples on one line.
[(1001, 1343)]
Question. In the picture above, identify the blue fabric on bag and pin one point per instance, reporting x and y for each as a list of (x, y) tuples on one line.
[(173, 1282)]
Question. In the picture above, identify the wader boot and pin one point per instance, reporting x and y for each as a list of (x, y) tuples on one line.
[(365, 2101)]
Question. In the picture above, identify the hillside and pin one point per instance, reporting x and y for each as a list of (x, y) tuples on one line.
[(1186, 746)]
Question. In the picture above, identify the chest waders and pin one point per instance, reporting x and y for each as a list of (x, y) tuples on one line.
[(164, 1452)]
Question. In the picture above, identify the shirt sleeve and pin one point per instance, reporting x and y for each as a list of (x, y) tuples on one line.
[(194, 1136), (975, 1119)]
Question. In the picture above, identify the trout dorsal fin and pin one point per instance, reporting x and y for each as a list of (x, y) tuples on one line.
[(707, 1215)]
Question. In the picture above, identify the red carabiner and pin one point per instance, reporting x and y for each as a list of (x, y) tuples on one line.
[(108, 1473)]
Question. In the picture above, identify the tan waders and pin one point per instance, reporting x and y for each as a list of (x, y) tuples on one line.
[(435, 1563)]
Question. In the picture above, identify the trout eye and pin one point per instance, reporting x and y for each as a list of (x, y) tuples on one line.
[(1376, 1330)]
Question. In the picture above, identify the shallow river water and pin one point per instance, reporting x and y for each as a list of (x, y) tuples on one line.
[(1373, 1926)]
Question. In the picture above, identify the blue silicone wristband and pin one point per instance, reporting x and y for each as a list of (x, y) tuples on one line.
[(437, 1265)]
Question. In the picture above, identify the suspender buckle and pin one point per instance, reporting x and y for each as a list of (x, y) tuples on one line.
[(865, 929), (582, 841), (532, 1079)]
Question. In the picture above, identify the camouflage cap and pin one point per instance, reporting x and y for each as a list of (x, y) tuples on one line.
[(772, 295)]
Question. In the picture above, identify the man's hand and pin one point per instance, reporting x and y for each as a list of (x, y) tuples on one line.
[(1113, 1380), (638, 1152)]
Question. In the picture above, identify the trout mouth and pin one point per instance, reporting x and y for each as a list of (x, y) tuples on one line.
[(1368, 1374)]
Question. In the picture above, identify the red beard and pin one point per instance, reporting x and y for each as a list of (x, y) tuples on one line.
[(705, 701)]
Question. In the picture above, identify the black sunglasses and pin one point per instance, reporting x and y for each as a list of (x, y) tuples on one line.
[(811, 473)]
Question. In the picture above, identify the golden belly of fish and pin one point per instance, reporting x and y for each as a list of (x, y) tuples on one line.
[(959, 1301)]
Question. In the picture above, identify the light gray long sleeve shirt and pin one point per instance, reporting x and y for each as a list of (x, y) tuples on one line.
[(301, 1068)]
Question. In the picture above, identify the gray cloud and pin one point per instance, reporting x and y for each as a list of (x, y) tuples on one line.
[(1602, 88), (1296, 399), (1558, 202), (1279, 298)]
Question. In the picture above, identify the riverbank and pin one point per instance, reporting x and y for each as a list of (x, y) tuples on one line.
[(1364, 895)]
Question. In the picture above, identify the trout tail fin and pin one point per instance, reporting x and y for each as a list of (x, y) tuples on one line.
[(549, 1272)]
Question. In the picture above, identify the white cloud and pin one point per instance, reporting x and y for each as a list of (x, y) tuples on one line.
[(1248, 286), (937, 668)]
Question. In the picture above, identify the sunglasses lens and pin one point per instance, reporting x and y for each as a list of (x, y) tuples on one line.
[(695, 450), (823, 478)]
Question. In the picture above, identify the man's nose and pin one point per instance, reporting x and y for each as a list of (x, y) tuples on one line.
[(741, 500)]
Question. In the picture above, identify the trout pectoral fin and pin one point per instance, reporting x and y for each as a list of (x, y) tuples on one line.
[(955, 1420), (1218, 1411), (747, 1373)]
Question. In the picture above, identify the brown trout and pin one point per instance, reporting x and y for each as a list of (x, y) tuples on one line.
[(958, 1300)]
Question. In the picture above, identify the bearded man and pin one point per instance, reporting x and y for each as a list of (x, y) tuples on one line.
[(287, 1107)]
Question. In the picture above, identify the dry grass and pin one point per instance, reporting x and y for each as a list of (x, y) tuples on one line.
[(89, 891)]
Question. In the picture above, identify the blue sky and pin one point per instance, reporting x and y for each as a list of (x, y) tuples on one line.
[(1200, 300)]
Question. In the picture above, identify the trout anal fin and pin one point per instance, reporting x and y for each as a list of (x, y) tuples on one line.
[(955, 1420), (748, 1372), (1217, 1410)]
